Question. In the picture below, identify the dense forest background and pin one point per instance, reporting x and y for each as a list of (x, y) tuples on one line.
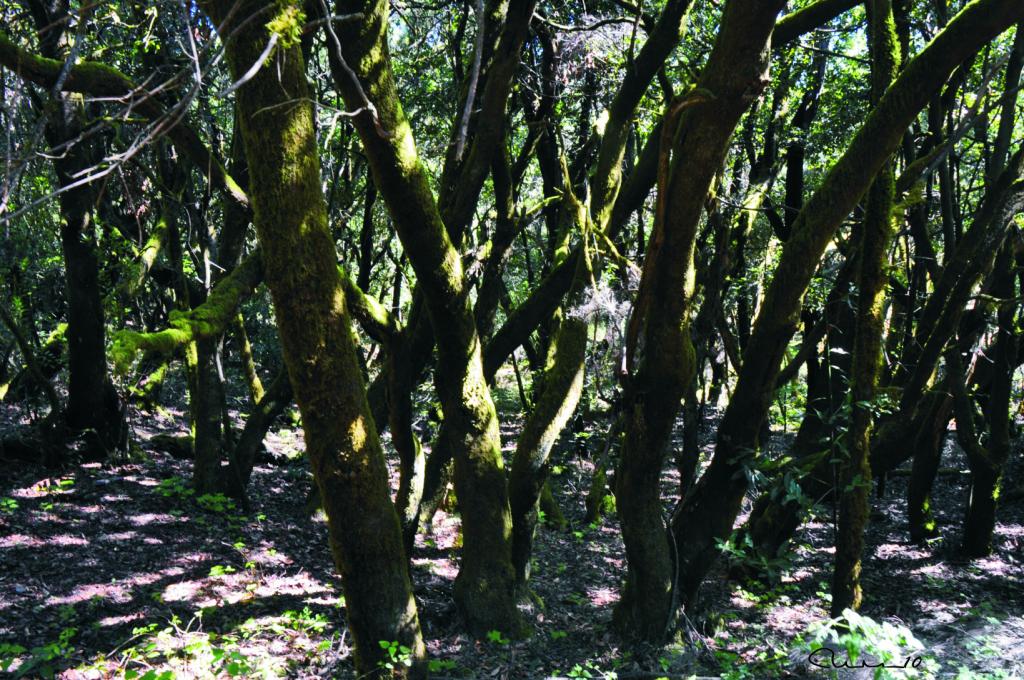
[(511, 338)]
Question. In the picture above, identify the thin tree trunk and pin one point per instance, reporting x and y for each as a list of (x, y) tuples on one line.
[(877, 230)]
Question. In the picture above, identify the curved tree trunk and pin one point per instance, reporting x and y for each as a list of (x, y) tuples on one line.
[(661, 355), (484, 589)]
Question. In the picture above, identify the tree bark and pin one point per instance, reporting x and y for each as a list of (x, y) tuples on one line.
[(316, 336), (484, 588), (658, 343), (876, 233)]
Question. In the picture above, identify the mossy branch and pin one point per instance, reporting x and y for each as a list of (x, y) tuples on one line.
[(208, 320), (796, 24), (147, 257), (374, 317)]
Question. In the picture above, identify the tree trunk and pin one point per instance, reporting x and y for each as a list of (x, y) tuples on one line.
[(93, 407), (927, 456), (316, 336), (877, 230), (658, 342), (484, 588)]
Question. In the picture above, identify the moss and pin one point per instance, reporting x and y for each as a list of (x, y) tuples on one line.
[(485, 585), (563, 386), (287, 25), (876, 234), (208, 320), (276, 116), (374, 317), (147, 257), (127, 344)]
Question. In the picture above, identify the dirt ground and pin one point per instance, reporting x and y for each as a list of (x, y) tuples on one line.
[(118, 570)]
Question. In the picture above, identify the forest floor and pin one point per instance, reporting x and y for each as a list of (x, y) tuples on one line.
[(118, 570)]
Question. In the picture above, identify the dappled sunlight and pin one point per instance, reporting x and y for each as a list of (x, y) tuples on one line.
[(94, 591), (603, 597), (148, 518), (21, 541)]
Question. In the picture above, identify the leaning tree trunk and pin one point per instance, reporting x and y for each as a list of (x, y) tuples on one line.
[(855, 471), (290, 215), (988, 462), (709, 513), (560, 393)]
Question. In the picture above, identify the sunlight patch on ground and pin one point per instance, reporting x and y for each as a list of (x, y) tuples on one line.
[(147, 518), (88, 509), (21, 541), (107, 591), (603, 597), (935, 570), (110, 621), (64, 539)]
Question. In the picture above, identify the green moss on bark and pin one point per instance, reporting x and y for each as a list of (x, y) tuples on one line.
[(290, 215)]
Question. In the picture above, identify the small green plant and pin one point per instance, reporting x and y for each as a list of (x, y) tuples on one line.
[(857, 640), (9, 653), (558, 634), (305, 621), (588, 669), (215, 502), (43, 660), (132, 674), (578, 671), (438, 665), (608, 504), (175, 487), (577, 599), (221, 570), (398, 655), (497, 638), (8, 505)]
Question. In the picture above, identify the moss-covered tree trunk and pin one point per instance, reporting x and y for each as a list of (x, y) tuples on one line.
[(560, 393), (876, 233), (708, 514), (485, 586), (313, 322), (696, 133), (927, 456)]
